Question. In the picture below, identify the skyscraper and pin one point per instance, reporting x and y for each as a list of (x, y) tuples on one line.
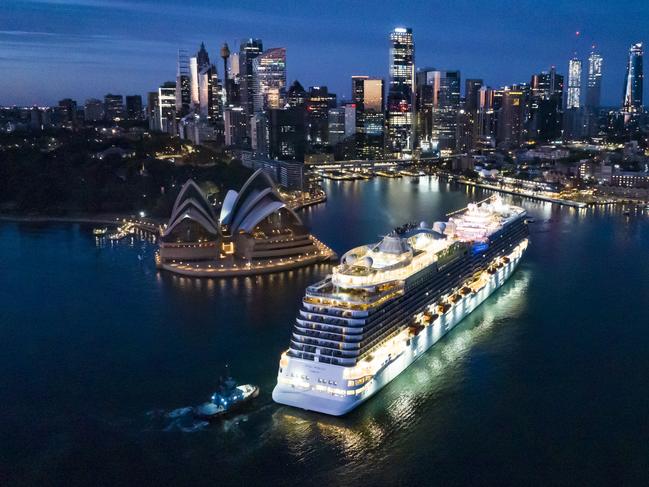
[(546, 113), (368, 102), (574, 83), (632, 99), (593, 93), (248, 52), (183, 85), (296, 95), (573, 117), (400, 94), (166, 113), (269, 76), (336, 125), (467, 132), (511, 116), (152, 109), (438, 104), (202, 57), (193, 81), (317, 104), (594, 88)]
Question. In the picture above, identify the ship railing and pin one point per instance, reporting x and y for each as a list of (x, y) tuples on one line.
[(349, 342), (318, 328), (326, 318), (335, 351)]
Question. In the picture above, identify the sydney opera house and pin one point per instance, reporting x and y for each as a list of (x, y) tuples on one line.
[(255, 232)]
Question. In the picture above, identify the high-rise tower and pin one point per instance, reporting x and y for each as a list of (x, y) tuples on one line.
[(400, 93), (202, 57), (225, 54), (594, 88), (269, 76), (632, 99), (574, 83), (248, 52), (183, 82), (546, 113)]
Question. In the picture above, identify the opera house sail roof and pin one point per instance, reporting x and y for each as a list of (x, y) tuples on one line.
[(192, 218), (256, 233), (257, 201)]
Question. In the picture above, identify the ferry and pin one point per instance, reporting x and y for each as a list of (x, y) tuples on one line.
[(388, 302)]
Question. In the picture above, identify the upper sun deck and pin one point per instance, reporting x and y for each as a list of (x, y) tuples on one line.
[(399, 256)]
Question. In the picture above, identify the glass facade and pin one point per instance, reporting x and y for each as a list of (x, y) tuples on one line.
[(400, 95)]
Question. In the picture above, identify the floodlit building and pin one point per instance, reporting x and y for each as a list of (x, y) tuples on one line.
[(269, 78), (192, 233), (401, 92), (632, 101), (257, 224)]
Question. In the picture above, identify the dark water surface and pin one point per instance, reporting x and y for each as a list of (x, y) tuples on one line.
[(547, 383)]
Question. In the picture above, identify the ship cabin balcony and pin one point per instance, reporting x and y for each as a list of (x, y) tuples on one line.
[(331, 320), (318, 307), (324, 350), (338, 330), (326, 359), (330, 340)]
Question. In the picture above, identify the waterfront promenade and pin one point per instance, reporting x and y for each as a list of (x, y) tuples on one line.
[(525, 194)]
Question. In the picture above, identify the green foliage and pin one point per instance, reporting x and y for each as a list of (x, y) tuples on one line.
[(39, 176)]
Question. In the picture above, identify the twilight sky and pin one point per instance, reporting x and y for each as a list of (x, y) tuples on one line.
[(51, 49)]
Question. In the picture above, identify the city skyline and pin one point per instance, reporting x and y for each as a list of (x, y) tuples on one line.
[(117, 58)]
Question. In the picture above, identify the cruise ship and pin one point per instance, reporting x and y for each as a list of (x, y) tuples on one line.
[(387, 303)]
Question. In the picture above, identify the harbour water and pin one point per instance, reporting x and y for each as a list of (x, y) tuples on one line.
[(545, 383)]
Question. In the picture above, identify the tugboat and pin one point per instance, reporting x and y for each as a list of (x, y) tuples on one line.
[(229, 398)]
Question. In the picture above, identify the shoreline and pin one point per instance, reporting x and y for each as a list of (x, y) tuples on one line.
[(105, 219)]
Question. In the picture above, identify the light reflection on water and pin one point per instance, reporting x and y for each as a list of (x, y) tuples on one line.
[(401, 402), (100, 330)]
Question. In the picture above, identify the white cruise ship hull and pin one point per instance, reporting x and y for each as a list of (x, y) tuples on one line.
[(322, 387)]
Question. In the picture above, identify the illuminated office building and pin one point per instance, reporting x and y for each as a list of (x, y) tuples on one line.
[(573, 123), (166, 112), (593, 93), (401, 91), (368, 105), (269, 77), (574, 84), (632, 100), (183, 85), (594, 88), (438, 106), (249, 50), (317, 104)]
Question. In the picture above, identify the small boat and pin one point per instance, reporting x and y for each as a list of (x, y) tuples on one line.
[(228, 399), (99, 232)]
